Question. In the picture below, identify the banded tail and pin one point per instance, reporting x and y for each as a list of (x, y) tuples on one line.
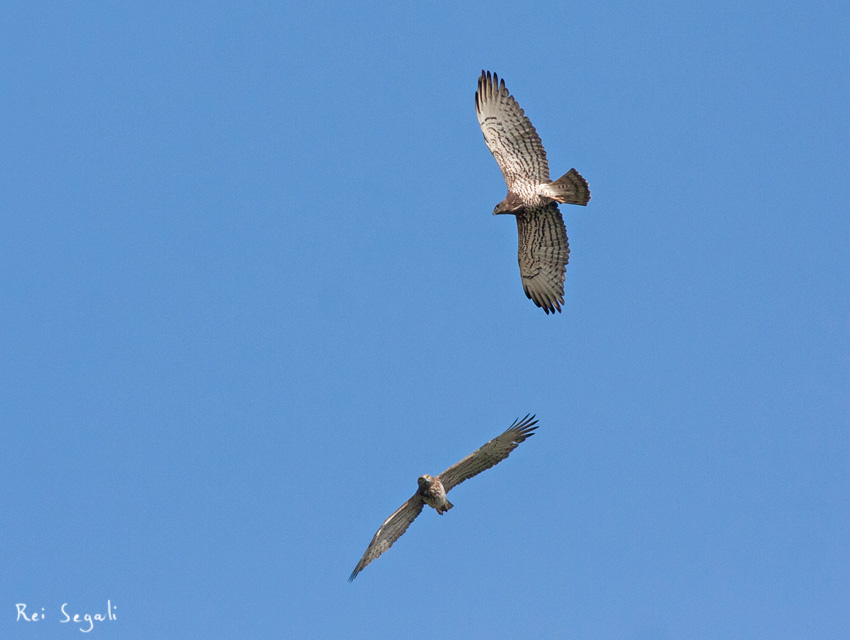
[(570, 188)]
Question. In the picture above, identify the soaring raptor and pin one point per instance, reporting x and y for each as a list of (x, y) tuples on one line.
[(532, 197), (432, 491)]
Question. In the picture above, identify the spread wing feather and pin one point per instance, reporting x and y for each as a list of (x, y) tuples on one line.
[(510, 136), (390, 531), (543, 254), (490, 454)]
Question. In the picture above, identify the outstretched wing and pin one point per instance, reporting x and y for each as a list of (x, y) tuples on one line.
[(490, 454), (510, 136), (390, 531), (543, 255)]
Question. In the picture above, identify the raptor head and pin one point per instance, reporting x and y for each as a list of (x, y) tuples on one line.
[(425, 481), (511, 204)]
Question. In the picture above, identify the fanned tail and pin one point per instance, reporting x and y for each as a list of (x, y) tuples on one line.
[(570, 188)]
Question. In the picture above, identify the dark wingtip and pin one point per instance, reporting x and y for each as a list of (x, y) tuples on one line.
[(481, 94), (525, 427), (548, 307), (490, 77)]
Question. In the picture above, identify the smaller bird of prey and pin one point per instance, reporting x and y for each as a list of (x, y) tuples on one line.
[(432, 491), (543, 247)]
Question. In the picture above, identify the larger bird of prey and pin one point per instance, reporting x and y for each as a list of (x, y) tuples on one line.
[(543, 247), (432, 491)]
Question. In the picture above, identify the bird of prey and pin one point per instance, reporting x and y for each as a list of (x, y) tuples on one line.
[(432, 491), (532, 197)]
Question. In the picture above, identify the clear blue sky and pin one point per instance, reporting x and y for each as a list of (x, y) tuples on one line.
[(251, 288)]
